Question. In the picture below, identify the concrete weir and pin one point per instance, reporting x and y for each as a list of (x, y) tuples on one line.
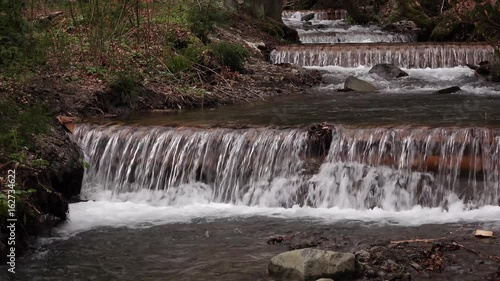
[(407, 55)]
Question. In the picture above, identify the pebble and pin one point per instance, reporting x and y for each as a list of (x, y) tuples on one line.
[(416, 266), (362, 256)]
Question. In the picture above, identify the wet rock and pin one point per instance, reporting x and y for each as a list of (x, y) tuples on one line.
[(381, 274), (312, 264), (310, 244), (307, 17), (356, 84), (405, 277), (489, 71), (362, 256), (449, 90), (404, 26), (388, 71), (416, 266), (275, 240)]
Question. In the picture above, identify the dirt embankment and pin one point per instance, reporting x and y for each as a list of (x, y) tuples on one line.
[(91, 96)]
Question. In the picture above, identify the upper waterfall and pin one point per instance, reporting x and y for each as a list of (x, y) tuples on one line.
[(317, 14), (407, 55)]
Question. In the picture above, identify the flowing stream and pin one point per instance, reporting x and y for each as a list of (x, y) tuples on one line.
[(193, 195)]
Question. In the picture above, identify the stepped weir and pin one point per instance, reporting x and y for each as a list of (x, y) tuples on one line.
[(391, 168), (407, 55)]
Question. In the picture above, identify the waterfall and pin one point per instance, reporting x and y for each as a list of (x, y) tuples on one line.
[(318, 14), (409, 55), (248, 167), (355, 37), (398, 168), (390, 168)]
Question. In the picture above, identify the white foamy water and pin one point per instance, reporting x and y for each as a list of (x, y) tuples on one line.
[(407, 55), (135, 214), (419, 80)]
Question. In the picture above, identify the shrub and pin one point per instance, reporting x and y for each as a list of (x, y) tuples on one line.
[(203, 17), (18, 48), (230, 55), (19, 124), (127, 86), (178, 63)]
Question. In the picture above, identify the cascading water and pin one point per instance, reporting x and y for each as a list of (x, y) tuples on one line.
[(403, 55), (251, 167), (318, 15), (330, 27), (398, 168), (358, 37), (393, 169)]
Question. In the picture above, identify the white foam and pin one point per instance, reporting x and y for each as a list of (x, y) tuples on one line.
[(419, 80), (93, 214)]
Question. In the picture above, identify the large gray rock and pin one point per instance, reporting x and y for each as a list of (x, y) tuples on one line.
[(355, 84), (311, 264), (388, 71)]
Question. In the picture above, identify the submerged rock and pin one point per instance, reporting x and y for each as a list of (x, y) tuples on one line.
[(312, 264), (356, 84), (449, 90), (388, 71)]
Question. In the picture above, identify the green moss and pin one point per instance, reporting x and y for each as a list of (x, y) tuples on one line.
[(487, 19), (271, 28), (444, 29)]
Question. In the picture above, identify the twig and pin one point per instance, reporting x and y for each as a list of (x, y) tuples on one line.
[(417, 240), (476, 252)]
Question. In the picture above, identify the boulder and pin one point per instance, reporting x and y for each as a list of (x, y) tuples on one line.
[(388, 71), (449, 90), (311, 264), (404, 26), (355, 84), (307, 17)]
